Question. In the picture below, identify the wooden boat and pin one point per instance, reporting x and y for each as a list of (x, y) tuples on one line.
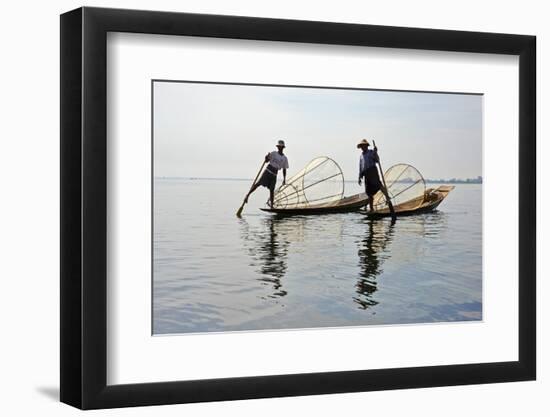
[(319, 189), (431, 199), (344, 205)]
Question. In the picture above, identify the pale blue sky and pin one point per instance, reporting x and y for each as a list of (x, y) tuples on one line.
[(216, 130)]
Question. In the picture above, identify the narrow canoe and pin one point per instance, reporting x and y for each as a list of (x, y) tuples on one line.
[(346, 204), (430, 201)]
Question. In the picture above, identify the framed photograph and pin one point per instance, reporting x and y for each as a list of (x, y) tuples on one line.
[(257, 208)]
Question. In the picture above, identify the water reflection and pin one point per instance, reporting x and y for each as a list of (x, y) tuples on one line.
[(268, 246), (269, 273), (268, 241), (428, 225), (372, 252)]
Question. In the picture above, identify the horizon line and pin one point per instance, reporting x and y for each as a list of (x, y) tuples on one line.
[(169, 177)]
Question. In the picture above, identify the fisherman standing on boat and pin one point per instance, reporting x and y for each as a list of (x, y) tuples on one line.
[(368, 169), (277, 160)]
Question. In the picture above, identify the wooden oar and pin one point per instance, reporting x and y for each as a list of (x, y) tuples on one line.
[(390, 204), (240, 210)]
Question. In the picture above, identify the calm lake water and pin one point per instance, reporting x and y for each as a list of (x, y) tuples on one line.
[(214, 272)]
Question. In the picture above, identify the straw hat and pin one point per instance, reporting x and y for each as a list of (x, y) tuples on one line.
[(281, 143), (364, 142)]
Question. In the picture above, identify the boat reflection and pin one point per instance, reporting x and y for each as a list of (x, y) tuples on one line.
[(372, 253)]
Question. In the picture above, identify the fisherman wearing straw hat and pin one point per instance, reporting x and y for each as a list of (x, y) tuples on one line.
[(277, 160), (368, 170)]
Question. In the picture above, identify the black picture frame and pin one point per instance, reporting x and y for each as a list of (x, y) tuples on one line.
[(84, 207)]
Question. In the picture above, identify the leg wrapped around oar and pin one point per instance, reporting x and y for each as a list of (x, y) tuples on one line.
[(372, 185)]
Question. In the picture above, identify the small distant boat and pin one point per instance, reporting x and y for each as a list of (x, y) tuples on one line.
[(319, 189), (424, 204)]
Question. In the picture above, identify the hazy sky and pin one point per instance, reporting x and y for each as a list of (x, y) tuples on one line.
[(213, 130)]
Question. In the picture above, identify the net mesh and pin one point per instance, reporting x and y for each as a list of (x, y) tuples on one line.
[(321, 182), (406, 188)]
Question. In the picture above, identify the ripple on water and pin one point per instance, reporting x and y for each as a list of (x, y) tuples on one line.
[(214, 272)]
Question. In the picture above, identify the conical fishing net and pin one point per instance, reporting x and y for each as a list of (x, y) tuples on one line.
[(406, 188), (320, 183)]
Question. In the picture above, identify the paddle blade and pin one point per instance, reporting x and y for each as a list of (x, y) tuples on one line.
[(392, 211), (240, 211)]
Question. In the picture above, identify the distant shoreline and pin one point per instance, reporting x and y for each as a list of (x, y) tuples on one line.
[(430, 181)]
